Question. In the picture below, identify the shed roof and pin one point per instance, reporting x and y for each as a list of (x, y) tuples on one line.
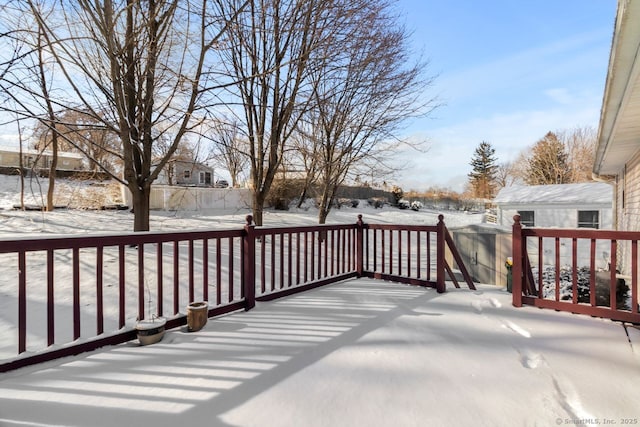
[(582, 193)]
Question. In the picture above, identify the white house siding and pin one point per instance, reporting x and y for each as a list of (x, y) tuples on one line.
[(628, 196), (557, 206)]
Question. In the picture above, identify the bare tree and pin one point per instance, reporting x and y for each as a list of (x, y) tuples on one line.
[(230, 149), (580, 144), (564, 156), (364, 90), (80, 133), (137, 68), (268, 59), (506, 175)]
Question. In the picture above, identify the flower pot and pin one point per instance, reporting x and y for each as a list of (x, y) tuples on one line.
[(150, 331), (197, 315)]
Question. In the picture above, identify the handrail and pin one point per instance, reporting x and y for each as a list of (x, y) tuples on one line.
[(563, 253), (118, 279)]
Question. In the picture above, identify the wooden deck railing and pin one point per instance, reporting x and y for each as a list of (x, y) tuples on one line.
[(577, 270), (74, 294)]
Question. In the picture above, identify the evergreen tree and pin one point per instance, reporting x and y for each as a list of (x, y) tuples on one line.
[(483, 176), (548, 163)]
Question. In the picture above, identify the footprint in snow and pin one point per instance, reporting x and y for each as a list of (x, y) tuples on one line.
[(486, 302), (531, 360)]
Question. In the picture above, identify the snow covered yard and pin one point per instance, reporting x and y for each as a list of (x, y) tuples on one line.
[(357, 353)]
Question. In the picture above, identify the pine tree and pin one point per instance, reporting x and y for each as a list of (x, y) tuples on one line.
[(548, 163), (483, 176)]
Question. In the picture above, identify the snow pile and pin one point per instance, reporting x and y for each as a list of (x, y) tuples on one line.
[(68, 193)]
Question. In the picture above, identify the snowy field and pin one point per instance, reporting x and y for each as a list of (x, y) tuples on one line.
[(359, 353)]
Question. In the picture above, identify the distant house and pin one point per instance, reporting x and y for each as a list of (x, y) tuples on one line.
[(618, 151), (34, 159), (186, 173), (585, 205)]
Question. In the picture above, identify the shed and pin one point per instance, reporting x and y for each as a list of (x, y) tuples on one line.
[(583, 205), (484, 249)]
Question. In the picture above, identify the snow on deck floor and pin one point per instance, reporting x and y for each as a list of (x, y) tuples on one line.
[(359, 353)]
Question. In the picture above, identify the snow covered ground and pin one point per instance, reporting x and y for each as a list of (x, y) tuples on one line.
[(359, 353)]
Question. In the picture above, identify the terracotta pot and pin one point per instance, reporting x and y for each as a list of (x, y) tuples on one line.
[(197, 315)]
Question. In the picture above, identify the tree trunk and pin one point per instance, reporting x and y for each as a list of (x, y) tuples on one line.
[(52, 172), (258, 207), (140, 198)]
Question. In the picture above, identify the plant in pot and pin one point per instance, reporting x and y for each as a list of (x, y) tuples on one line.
[(150, 330)]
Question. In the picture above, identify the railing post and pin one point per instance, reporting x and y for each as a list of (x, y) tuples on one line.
[(440, 269), (516, 254), (360, 246), (249, 267)]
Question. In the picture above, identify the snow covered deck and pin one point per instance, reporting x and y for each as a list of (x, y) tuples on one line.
[(358, 353)]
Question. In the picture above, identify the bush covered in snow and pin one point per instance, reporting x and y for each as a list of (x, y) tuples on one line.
[(602, 286)]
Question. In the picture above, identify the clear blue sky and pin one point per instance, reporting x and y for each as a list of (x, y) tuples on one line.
[(507, 73)]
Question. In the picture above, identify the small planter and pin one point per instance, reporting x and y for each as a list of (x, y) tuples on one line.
[(150, 331), (197, 315)]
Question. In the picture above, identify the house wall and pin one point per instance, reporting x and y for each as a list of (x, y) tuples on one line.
[(65, 162), (562, 217), (555, 216), (628, 196)]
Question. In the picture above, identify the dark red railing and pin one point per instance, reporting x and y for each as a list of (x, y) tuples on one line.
[(117, 280), (577, 270)]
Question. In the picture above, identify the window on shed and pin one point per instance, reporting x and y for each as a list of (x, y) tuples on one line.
[(527, 218), (187, 174), (588, 219)]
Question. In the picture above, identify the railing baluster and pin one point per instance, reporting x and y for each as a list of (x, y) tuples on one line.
[(218, 271), (428, 255), (613, 284), (290, 260), (160, 279), (176, 277), (297, 258), (382, 246), (634, 277), (205, 269), (390, 251), (22, 302), (121, 287), (190, 269), (408, 253), (99, 291), (141, 283), (263, 260), (557, 247), (282, 261), (399, 253), (231, 271), (333, 256), (273, 261), (592, 273), (540, 265), (50, 299), (574, 275), (76, 293)]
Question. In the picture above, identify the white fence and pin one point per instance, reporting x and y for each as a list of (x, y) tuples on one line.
[(173, 198)]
